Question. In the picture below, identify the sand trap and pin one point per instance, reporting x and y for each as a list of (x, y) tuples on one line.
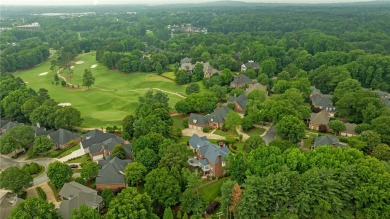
[(79, 62), (26, 82), (44, 73), (93, 66), (64, 104), (71, 67)]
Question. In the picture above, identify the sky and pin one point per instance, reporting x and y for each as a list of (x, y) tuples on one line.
[(150, 2)]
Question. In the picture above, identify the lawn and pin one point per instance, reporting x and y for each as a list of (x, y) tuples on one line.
[(308, 141), (255, 131), (69, 151), (212, 191), (81, 159), (225, 134), (170, 75), (113, 96)]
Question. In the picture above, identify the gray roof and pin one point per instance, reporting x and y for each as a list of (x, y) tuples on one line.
[(326, 140), (196, 141), (241, 79), (62, 136), (208, 149), (350, 127), (252, 64), (40, 131), (185, 60), (241, 100), (218, 115), (319, 118), (112, 171), (72, 189), (8, 201), (387, 102), (323, 102), (3, 122), (10, 125), (382, 94), (196, 119), (204, 162), (187, 66), (108, 144), (94, 137), (315, 91)]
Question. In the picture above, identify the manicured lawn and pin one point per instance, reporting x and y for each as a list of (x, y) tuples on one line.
[(212, 191), (69, 151), (76, 170), (309, 141), (225, 134), (113, 96), (81, 159), (255, 131), (170, 75), (178, 121)]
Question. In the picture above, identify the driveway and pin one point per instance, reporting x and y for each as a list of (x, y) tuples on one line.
[(190, 132), (74, 154), (6, 162), (269, 135)]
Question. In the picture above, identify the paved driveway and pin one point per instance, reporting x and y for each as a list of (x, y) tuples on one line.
[(74, 154), (270, 135), (190, 132)]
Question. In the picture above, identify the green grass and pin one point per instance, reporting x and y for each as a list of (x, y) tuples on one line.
[(225, 134), (178, 121), (100, 106), (212, 191), (54, 189), (309, 141), (170, 75), (81, 159), (76, 170), (255, 131), (69, 151), (41, 170)]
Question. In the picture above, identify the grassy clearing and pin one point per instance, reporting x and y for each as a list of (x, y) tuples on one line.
[(226, 134), (255, 131), (113, 96), (307, 142), (170, 75), (69, 151), (81, 159), (212, 191)]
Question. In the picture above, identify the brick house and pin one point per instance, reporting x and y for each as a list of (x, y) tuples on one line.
[(322, 102), (239, 102), (317, 119), (349, 130), (241, 81), (210, 156), (111, 174), (214, 120), (62, 138)]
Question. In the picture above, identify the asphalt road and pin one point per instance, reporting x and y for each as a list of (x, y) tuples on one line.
[(270, 135)]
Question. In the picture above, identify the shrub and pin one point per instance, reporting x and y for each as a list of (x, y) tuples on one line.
[(80, 180), (206, 129), (34, 168), (212, 207), (41, 193), (185, 123), (63, 83)]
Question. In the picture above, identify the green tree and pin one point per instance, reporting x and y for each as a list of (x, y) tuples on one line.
[(227, 196), (192, 88), (119, 151), (148, 158), (252, 143), (382, 152), (251, 73), (42, 144), (232, 120), (34, 208), (381, 126), (263, 79), (89, 170), (127, 124), (84, 212), (67, 118), (88, 79), (290, 128), (168, 214), (337, 126), (182, 77), (135, 173), (19, 137), (15, 179), (236, 166), (183, 107), (130, 204), (257, 95), (197, 74), (371, 138), (107, 196), (59, 173), (159, 68), (268, 67), (162, 187), (220, 92)]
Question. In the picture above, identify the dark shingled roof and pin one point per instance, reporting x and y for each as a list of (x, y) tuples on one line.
[(326, 140), (241, 79), (208, 149), (196, 141), (112, 171), (62, 136), (241, 100), (197, 119), (10, 125), (218, 115), (323, 102), (252, 64), (319, 118), (108, 144), (40, 131), (94, 137)]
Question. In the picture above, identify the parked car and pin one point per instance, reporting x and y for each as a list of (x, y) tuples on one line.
[(73, 166)]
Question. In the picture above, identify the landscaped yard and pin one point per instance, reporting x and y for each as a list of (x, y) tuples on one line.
[(212, 191), (255, 131), (81, 159), (113, 96), (69, 151), (225, 134)]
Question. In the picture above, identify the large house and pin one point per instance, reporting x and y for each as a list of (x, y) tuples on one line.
[(318, 119), (326, 140), (94, 137), (62, 137), (349, 130), (8, 201), (208, 70), (250, 64), (239, 102), (214, 120), (210, 156), (322, 102), (241, 81), (74, 195), (111, 174)]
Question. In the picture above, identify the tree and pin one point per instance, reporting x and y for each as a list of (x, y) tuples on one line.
[(381, 126), (236, 197), (127, 124), (34, 208), (182, 77), (42, 144), (381, 152), (159, 68), (291, 128), (15, 179), (162, 187), (148, 158), (119, 151), (168, 214), (257, 95), (59, 173), (107, 196), (183, 107), (251, 73), (173, 155), (192, 88), (371, 138), (84, 212), (220, 92), (268, 67), (232, 120), (130, 204), (197, 74), (337, 126), (135, 173), (237, 166), (252, 143), (19, 137), (67, 118), (88, 79), (227, 195), (247, 123), (89, 170)]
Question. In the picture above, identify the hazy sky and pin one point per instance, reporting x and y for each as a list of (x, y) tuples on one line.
[(153, 2)]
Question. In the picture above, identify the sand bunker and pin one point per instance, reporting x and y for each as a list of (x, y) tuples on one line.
[(44, 73), (79, 62), (64, 104), (71, 67), (93, 66)]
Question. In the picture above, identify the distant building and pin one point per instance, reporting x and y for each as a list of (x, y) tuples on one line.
[(62, 137), (385, 97), (241, 81), (326, 140), (318, 119), (214, 120), (33, 26), (349, 130), (250, 64), (8, 201), (256, 86), (322, 102), (239, 102), (111, 174)]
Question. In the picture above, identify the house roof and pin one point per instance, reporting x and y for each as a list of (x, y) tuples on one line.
[(62, 136), (187, 66), (108, 144), (72, 189), (112, 171), (241, 79), (196, 119), (94, 137), (3, 122), (204, 162), (241, 100), (8, 201), (185, 60), (40, 131), (323, 102), (208, 149), (315, 91), (195, 141), (319, 118), (350, 127), (218, 115), (10, 125), (82, 198), (382, 94), (252, 64), (326, 140), (256, 86)]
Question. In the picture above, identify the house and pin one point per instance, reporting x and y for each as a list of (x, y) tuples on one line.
[(210, 156), (62, 137), (9, 125), (40, 131), (94, 137), (318, 119), (250, 64), (349, 130), (101, 150), (239, 102), (322, 102), (74, 195), (214, 120), (326, 140), (111, 174), (385, 97), (256, 86), (8, 201), (208, 70), (185, 60), (241, 81)]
